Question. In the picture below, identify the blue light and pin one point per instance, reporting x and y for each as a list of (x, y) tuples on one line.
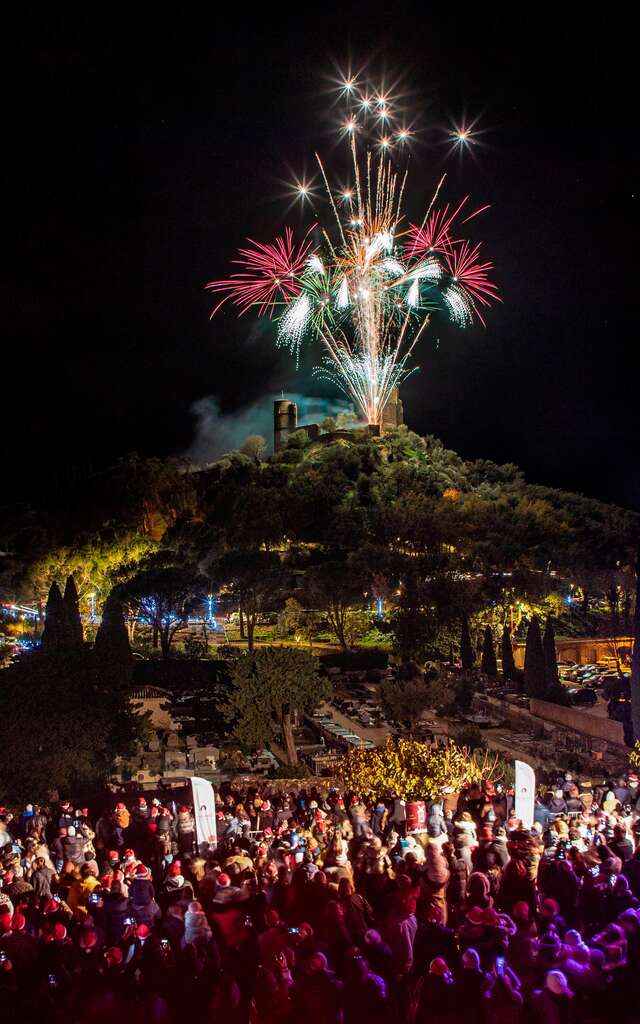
[(380, 606)]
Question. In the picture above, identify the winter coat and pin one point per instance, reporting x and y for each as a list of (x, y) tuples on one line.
[(196, 928), (73, 849), (121, 818), (185, 823), (114, 911), (41, 881)]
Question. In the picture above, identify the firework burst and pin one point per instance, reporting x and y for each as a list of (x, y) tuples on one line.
[(367, 290)]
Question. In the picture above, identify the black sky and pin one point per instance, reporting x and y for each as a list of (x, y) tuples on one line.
[(141, 150)]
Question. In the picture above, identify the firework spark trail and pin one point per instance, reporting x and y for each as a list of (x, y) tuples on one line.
[(368, 296)]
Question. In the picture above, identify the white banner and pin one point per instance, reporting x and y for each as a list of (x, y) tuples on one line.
[(204, 813), (525, 793)]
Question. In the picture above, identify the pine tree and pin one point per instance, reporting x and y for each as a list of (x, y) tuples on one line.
[(55, 633), (111, 649), (551, 677), (488, 664), (72, 611), (534, 675), (508, 664), (467, 659)]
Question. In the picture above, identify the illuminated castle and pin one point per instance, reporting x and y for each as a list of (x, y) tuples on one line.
[(285, 421)]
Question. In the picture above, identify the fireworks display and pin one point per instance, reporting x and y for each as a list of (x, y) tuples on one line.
[(365, 283)]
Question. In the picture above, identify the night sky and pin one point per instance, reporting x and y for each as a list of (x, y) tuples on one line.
[(141, 151)]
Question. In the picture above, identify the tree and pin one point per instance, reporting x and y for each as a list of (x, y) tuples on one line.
[(67, 735), (55, 634), (254, 447), (509, 673), (290, 618), (111, 647), (488, 664), (334, 588), (551, 677), (252, 580), (72, 611), (269, 686), (165, 598), (404, 700), (534, 668), (467, 659)]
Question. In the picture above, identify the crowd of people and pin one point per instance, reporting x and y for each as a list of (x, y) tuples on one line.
[(318, 905)]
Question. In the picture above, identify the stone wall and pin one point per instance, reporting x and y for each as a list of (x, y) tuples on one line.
[(579, 721)]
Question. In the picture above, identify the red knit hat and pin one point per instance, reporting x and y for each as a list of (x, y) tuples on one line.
[(88, 939), (183, 809), (521, 911)]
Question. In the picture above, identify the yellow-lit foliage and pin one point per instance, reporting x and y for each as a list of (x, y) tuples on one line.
[(412, 770)]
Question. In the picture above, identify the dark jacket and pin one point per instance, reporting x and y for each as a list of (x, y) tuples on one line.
[(73, 849), (114, 911)]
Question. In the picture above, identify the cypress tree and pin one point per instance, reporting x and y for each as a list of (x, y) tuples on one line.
[(111, 649), (55, 633), (534, 674), (488, 664), (72, 611), (551, 677), (467, 659), (508, 664)]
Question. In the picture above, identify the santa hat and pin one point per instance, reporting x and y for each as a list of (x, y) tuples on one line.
[(142, 931), (142, 871), (475, 916), (18, 922), (223, 880), (438, 966), (268, 831), (549, 907), (5, 923), (120, 807), (142, 801), (88, 939), (521, 911), (129, 853), (183, 810), (174, 869), (114, 956), (113, 855), (59, 932)]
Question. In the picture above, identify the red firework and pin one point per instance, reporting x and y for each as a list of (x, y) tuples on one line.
[(435, 234), (471, 276), (269, 276)]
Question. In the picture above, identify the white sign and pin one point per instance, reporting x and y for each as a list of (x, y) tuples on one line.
[(204, 813), (525, 793)]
